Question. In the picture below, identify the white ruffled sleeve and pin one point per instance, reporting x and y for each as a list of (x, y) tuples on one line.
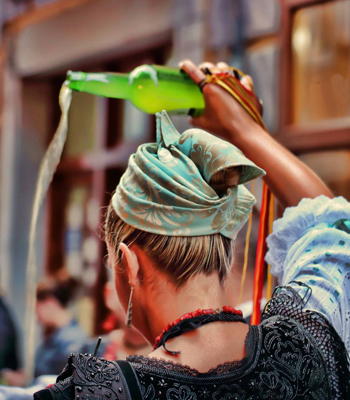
[(305, 247)]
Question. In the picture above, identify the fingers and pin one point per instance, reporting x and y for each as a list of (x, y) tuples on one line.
[(247, 82), (208, 67), (223, 66), (192, 71), (206, 64), (214, 69), (197, 74)]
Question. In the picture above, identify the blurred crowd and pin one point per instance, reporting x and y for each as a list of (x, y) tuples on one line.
[(61, 334)]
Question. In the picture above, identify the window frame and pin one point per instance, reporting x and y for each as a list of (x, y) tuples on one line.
[(296, 138)]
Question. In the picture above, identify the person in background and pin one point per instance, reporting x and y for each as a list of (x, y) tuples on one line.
[(61, 332), (9, 359)]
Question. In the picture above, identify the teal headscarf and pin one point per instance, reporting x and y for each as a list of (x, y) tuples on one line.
[(165, 188)]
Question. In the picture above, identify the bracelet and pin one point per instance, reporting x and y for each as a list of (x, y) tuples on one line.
[(245, 97)]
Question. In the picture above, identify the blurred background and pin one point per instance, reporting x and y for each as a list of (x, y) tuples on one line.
[(297, 51)]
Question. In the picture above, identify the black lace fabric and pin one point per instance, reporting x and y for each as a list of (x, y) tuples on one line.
[(286, 301), (293, 354), (184, 369)]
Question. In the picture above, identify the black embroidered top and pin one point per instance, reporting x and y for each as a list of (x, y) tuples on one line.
[(291, 355)]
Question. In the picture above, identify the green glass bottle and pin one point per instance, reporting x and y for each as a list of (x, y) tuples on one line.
[(151, 88)]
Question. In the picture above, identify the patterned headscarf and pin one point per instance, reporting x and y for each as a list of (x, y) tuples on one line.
[(165, 188)]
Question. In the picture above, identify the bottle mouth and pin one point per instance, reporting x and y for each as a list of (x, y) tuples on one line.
[(75, 75)]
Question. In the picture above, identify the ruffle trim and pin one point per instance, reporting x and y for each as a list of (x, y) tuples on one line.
[(296, 221)]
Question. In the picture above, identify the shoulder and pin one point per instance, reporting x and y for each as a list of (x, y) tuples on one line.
[(299, 227), (291, 332), (86, 376), (285, 337)]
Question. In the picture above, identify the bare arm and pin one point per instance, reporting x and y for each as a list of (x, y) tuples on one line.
[(288, 177)]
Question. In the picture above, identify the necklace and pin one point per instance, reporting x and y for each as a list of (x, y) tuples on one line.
[(194, 320)]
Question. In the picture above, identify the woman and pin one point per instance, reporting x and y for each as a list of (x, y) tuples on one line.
[(169, 232)]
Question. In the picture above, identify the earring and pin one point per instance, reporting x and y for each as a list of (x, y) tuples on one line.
[(128, 317)]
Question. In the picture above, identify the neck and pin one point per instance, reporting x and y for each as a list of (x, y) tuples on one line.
[(132, 338), (168, 302)]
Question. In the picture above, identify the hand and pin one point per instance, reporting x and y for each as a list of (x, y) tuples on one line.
[(13, 378), (288, 177), (222, 114)]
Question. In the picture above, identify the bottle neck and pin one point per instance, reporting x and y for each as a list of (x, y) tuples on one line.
[(106, 84)]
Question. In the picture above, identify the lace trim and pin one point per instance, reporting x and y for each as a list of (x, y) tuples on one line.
[(160, 363), (186, 369)]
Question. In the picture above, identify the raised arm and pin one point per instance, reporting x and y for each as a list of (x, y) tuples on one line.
[(288, 177)]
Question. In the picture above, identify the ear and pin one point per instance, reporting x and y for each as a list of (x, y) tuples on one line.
[(131, 263)]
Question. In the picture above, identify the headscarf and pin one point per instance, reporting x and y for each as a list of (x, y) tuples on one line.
[(166, 187)]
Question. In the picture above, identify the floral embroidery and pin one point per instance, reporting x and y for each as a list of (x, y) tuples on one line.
[(99, 371), (149, 393), (229, 392), (182, 393)]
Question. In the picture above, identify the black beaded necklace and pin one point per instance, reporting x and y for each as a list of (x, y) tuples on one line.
[(194, 320)]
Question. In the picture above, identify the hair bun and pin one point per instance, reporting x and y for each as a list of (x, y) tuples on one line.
[(225, 179), (221, 164)]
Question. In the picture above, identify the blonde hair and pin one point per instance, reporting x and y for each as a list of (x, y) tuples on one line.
[(180, 257)]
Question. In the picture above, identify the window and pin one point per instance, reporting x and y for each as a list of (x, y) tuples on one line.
[(320, 64)]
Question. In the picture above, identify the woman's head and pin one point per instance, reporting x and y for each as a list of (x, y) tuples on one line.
[(157, 267), (179, 257), (176, 210)]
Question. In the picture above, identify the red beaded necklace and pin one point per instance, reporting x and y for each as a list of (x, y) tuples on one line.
[(194, 320)]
